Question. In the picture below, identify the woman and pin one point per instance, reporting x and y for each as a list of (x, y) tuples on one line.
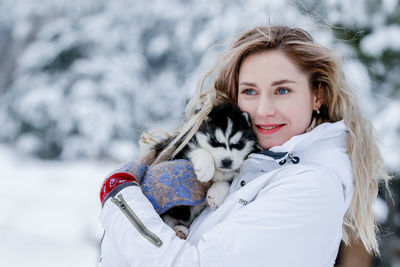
[(311, 187)]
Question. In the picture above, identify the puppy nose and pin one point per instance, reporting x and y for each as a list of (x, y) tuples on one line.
[(226, 163)]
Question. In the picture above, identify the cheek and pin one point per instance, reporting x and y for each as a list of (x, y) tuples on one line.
[(246, 105), (300, 119)]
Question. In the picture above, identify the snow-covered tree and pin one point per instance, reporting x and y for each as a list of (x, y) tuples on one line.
[(84, 79)]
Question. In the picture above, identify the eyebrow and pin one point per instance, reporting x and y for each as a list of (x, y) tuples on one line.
[(247, 84), (275, 83), (282, 82)]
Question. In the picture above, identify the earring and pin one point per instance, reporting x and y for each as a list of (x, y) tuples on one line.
[(316, 110)]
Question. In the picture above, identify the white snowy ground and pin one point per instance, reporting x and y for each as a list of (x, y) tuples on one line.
[(49, 211)]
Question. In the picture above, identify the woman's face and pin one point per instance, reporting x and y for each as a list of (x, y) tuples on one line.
[(277, 95)]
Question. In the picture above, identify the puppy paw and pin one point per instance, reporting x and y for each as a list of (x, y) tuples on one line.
[(203, 164), (214, 201), (181, 231), (216, 194)]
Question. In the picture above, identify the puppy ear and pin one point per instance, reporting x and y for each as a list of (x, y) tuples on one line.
[(247, 117)]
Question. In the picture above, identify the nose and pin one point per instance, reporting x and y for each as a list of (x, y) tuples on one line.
[(226, 162), (265, 107)]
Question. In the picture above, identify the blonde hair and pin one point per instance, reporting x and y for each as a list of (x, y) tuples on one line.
[(339, 103)]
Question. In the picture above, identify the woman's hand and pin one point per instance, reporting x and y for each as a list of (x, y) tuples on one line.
[(173, 183), (166, 184)]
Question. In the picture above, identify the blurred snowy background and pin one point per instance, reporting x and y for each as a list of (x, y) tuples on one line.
[(80, 81)]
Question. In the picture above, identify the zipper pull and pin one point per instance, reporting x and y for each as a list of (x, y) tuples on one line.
[(290, 158), (120, 202), (293, 159)]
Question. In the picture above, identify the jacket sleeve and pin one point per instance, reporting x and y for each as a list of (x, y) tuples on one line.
[(293, 221)]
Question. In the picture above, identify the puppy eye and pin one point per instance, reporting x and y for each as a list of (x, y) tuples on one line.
[(239, 145), (215, 143)]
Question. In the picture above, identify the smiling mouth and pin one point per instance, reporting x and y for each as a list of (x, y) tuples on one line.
[(269, 129)]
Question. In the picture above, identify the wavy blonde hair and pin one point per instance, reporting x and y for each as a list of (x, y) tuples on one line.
[(324, 71)]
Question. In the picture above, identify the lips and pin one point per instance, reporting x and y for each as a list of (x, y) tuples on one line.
[(268, 128)]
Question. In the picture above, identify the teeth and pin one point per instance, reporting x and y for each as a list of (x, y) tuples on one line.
[(268, 128)]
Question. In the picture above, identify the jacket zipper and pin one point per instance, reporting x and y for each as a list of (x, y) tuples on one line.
[(134, 219)]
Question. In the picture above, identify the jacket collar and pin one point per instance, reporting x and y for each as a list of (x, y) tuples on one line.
[(325, 134)]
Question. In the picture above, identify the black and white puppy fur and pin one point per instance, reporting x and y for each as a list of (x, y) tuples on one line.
[(223, 141)]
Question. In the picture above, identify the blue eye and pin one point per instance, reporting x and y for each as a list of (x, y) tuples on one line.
[(282, 91), (248, 92)]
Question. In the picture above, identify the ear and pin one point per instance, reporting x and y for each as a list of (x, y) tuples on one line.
[(247, 117), (318, 96)]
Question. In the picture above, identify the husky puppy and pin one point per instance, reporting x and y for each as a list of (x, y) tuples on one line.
[(222, 142)]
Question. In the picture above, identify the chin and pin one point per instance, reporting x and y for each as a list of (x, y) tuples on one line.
[(268, 145)]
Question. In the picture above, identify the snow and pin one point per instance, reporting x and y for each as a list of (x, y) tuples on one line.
[(348, 12), (49, 212), (358, 79), (389, 6), (380, 210), (387, 125), (382, 39)]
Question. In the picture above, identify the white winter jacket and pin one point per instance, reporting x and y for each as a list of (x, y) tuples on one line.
[(285, 208)]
